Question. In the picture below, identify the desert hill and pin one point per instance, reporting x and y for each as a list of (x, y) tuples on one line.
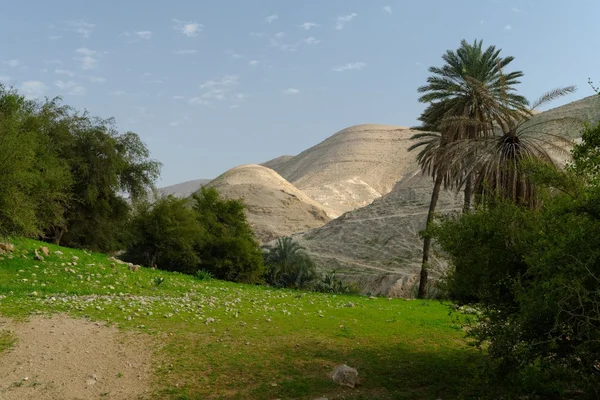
[(275, 207), (351, 168)]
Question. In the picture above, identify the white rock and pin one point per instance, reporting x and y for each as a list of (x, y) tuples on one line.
[(345, 376)]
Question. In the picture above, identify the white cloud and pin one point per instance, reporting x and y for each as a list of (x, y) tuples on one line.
[(343, 20), (508, 27), (356, 66), (143, 34), (33, 89), (185, 52), (198, 101), (64, 72), (291, 91), (279, 35), (218, 90), (97, 79), (82, 27), (257, 34), (388, 9), (236, 56), (272, 18), (311, 40), (117, 93), (188, 28), (12, 63), (253, 63), (226, 81), (174, 123), (71, 88), (178, 97), (87, 59), (309, 25)]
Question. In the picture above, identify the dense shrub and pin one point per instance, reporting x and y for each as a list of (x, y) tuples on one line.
[(165, 235), (229, 250), (287, 265), (535, 274)]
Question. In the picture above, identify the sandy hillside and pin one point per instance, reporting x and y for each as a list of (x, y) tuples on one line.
[(275, 207), (351, 168)]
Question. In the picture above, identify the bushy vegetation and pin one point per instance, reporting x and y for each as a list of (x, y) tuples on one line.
[(64, 173), (288, 265), (212, 235), (535, 274)]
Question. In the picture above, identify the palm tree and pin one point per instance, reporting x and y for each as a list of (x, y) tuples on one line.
[(468, 96), (497, 159), (288, 265)]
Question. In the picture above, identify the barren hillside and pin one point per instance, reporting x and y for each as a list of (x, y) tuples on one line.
[(275, 207), (351, 168), (183, 189)]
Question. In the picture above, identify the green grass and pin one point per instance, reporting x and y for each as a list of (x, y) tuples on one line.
[(229, 341)]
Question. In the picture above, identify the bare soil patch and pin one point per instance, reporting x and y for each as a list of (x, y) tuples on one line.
[(68, 359)]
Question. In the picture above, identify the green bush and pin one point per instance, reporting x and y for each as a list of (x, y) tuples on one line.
[(535, 275), (288, 265), (203, 275), (229, 250), (330, 284)]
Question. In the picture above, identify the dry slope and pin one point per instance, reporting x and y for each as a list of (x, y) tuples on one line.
[(275, 207), (351, 168)]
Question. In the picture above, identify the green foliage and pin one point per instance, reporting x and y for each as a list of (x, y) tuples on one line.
[(166, 235), (229, 250), (330, 284), (288, 265), (203, 275), (586, 155), (536, 276)]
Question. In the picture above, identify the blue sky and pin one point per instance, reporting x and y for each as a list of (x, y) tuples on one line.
[(209, 85)]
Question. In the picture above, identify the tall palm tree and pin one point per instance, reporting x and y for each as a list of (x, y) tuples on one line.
[(467, 96), (288, 265)]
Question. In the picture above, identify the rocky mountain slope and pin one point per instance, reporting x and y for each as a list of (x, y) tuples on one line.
[(275, 207), (183, 189), (351, 168)]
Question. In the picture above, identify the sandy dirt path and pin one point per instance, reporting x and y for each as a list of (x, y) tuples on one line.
[(63, 358)]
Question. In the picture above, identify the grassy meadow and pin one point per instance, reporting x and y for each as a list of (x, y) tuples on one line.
[(219, 340)]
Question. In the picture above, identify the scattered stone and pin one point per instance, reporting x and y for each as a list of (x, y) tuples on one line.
[(132, 267), (8, 247), (350, 304), (92, 379), (345, 376), (372, 297), (45, 251), (37, 256), (58, 253), (209, 320), (75, 258)]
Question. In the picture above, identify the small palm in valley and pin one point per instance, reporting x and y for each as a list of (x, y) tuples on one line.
[(467, 97), (288, 265)]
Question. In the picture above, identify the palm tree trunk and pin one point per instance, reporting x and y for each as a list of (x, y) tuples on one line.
[(435, 195), (468, 193)]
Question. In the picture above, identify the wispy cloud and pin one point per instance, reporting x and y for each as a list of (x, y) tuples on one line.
[(218, 90), (143, 34), (72, 88), (188, 28), (311, 40), (388, 9), (117, 93), (185, 52), (82, 27), (340, 22), (272, 18), (291, 91), (33, 89), (257, 34), (253, 63), (178, 97), (353, 66), (508, 27), (11, 63), (64, 72), (97, 79), (86, 58), (309, 25)]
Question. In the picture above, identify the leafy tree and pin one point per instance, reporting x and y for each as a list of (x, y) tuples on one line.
[(288, 265), (165, 235), (34, 182), (229, 249), (466, 96)]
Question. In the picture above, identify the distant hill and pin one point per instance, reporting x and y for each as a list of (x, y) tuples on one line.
[(351, 168), (183, 189), (275, 207)]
